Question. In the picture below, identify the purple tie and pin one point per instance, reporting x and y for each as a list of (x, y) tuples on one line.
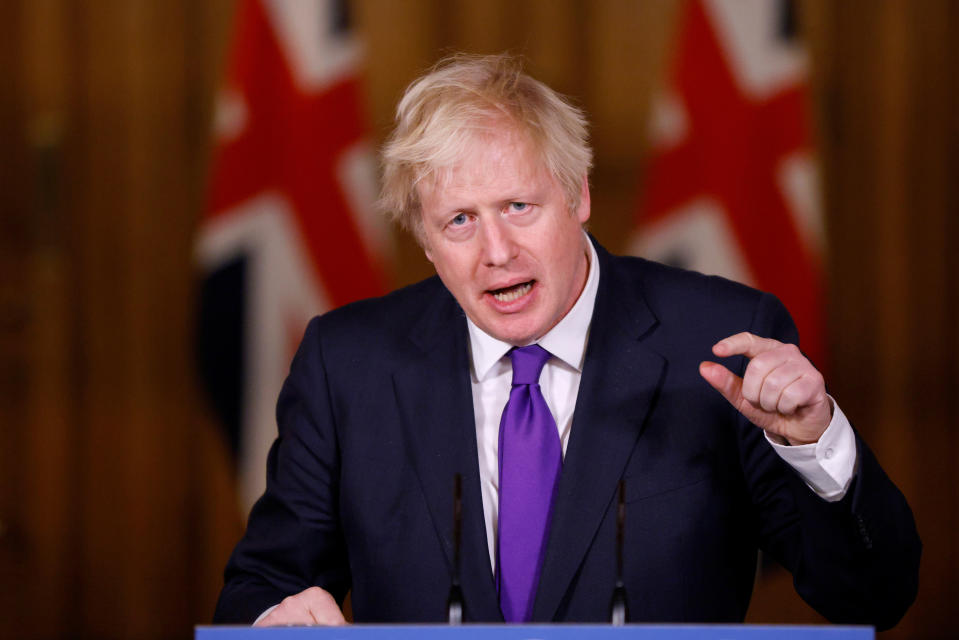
[(530, 459)]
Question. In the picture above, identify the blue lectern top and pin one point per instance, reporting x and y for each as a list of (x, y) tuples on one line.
[(539, 632)]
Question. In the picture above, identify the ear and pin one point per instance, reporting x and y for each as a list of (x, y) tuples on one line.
[(582, 211)]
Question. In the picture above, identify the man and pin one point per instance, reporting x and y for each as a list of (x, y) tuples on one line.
[(544, 370)]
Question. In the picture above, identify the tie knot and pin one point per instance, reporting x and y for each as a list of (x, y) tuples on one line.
[(528, 363)]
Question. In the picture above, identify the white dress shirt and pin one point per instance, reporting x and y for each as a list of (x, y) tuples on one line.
[(827, 466)]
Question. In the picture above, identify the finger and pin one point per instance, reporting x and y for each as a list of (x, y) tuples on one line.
[(329, 617), (729, 385), (290, 611), (803, 392), (267, 621), (299, 612), (775, 382), (323, 607), (745, 343), (763, 365)]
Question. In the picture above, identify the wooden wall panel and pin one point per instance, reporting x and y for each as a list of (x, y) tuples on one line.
[(14, 320), (401, 40), (886, 105), (130, 108), (116, 511), (42, 438), (892, 152), (556, 45), (628, 46)]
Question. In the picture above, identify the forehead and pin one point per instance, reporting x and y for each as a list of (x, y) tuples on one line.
[(491, 157)]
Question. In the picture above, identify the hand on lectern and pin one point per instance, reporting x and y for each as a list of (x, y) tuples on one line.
[(313, 606)]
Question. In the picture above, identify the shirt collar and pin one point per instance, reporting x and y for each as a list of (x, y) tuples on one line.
[(566, 341)]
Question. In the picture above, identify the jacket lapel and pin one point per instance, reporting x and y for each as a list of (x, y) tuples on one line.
[(619, 383), (435, 399)]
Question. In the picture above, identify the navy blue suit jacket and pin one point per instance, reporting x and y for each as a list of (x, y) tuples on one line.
[(376, 418)]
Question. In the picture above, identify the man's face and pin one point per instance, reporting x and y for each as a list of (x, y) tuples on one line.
[(500, 234)]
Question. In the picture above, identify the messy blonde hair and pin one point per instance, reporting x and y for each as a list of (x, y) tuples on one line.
[(462, 97)]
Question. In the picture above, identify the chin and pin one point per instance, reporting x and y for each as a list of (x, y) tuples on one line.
[(515, 337), (515, 330)]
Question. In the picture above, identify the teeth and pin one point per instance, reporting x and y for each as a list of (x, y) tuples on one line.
[(518, 291)]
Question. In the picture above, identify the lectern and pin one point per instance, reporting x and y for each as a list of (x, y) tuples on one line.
[(540, 632)]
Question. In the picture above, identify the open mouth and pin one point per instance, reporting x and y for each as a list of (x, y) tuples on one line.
[(508, 294)]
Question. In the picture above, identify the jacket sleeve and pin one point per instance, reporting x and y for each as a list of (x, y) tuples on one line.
[(293, 539), (855, 560)]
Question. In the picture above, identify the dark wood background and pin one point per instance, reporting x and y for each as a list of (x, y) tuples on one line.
[(116, 504)]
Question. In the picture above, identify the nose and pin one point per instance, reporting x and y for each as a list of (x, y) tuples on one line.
[(499, 247)]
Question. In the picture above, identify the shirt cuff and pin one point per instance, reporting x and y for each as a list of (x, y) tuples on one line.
[(265, 614), (826, 466)]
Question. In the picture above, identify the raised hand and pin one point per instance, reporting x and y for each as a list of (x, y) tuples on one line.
[(781, 391)]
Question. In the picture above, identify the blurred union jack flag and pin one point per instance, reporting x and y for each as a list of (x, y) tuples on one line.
[(731, 186), (289, 228)]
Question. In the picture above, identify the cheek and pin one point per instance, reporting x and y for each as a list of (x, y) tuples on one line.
[(453, 267), (564, 251)]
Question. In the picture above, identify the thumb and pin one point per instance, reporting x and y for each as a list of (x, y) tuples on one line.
[(728, 384)]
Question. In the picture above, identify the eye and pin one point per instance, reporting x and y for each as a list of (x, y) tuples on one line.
[(459, 220), (519, 207)]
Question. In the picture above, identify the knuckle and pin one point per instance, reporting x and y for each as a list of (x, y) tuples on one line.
[(812, 379), (792, 396), (317, 595), (759, 366), (769, 342), (773, 384)]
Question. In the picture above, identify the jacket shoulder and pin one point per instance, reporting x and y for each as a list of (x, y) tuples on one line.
[(393, 313), (689, 303), (381, 328), (661, 282)]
